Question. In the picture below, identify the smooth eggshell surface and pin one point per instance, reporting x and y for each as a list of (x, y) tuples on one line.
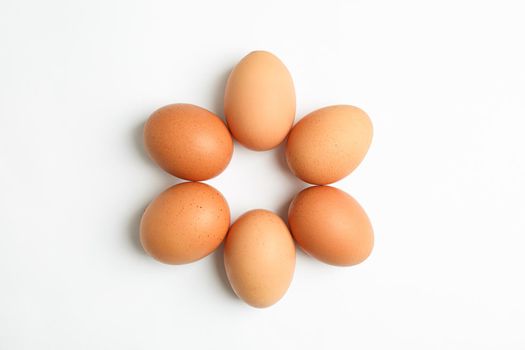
[(331, 226), (184, 223), (259, 101), (259, 256), (328, 144), (188, 141)]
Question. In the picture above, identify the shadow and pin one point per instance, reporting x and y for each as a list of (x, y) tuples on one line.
[(283, 209), (280, 157), (296, 185), (300, 251), (138, 141), (134, 232), (165, 181), (283, 213), (218, 100), (218, 260)]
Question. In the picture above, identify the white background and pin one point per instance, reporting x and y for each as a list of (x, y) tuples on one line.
[(443, 183)]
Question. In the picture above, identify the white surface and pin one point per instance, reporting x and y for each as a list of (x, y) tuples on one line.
[(443, 183)]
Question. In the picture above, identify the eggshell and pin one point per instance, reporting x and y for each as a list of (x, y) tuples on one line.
[(259, 101), (331, 226), (188, 141), (328, 144), (259, 256), (184, 223)]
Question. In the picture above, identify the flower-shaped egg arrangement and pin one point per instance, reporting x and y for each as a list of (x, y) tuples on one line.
[(190, 220)]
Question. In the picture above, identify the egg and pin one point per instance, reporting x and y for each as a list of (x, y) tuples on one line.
[(188, 141), (328, 144), (184, 223), (259, 256), (259, 101), (331, 226)]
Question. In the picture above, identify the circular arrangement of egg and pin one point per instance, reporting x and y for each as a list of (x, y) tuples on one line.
[(190, 220)]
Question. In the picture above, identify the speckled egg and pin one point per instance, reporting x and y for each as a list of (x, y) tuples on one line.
[(188, 141), (184, 223)]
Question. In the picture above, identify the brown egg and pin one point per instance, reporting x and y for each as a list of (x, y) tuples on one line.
[(259, 101), (259, 256), (331, 226), (328, 144), (188, 141), (184, 223)]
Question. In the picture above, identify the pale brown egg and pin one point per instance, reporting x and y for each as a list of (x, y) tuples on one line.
[(328, 144), (259, 101), (184, 223), (331, 226), (259, 256), (188, 141)]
